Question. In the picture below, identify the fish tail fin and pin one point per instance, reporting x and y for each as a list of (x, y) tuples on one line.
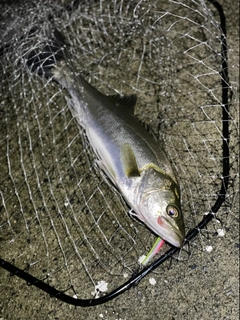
[(43, 63)]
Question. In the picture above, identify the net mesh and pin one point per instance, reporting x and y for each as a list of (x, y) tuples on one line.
[(60, 218)]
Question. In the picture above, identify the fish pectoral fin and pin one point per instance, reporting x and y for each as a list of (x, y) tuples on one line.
[(128, 101), (129, 161)]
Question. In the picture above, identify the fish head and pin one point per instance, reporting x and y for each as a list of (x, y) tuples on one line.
[(159, 206)]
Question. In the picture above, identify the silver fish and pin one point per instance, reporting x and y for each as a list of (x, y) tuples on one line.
[(128, 154)]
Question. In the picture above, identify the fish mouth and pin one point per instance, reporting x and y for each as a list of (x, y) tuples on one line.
[(170, 233)]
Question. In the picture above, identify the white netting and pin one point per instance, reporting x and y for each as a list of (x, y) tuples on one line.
[(59, 217)]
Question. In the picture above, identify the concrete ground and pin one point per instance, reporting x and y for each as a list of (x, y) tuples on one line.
[(206, 287)]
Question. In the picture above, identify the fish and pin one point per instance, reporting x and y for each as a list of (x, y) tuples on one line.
[(129, 154)]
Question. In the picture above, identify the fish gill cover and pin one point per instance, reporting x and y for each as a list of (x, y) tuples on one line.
[(61, 220)]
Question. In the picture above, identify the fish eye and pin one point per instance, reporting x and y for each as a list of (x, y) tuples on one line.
[(172, 211)]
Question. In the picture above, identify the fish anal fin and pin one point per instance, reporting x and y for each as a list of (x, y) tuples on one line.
[(107, 170), (129, 161), (134, 214)]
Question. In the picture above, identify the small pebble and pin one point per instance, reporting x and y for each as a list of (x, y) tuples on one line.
[(152, 281), (209, 248)]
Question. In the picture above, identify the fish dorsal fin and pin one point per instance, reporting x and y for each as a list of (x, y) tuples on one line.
[(149, 129), (129, 161), (128, 101)]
